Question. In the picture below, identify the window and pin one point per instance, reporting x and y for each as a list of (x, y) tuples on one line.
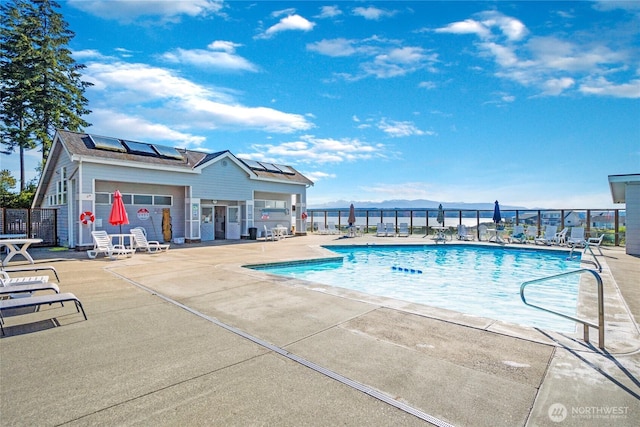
[(58, 196), (142, 199), (136, 199), (162, 200)]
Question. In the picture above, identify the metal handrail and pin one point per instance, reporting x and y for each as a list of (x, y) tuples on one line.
[(585, 323), (586, 261)]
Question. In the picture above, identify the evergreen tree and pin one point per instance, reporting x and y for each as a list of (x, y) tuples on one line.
[(41, 84)]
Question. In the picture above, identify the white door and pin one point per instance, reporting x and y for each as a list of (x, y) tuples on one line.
[(206, 224), (233, 222)]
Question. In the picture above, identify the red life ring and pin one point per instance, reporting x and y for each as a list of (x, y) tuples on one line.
[(303, 216), (87, 217)]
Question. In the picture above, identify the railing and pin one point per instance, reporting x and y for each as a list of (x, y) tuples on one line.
[(586, 324), (610, 222)]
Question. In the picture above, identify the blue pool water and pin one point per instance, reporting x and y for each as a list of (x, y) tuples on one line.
[(476, 280)]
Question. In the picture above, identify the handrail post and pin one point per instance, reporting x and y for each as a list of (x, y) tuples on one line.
[(586, 324)]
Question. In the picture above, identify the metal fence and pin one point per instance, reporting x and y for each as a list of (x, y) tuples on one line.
[(610, 222), (33, 223)]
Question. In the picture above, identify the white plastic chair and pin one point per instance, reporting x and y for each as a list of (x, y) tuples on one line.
[(577, 237), (102, 244), (381, 230), (140, 242)]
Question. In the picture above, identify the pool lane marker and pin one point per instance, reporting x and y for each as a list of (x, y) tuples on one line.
[(279, 350), (406, 270)]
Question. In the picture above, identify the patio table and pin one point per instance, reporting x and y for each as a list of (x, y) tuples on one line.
[(18, 246)]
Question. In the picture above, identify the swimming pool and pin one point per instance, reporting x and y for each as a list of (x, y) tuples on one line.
[(477, 280)]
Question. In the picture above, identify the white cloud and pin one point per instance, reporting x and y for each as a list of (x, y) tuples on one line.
[(329, 12), (288, 23), (109, 122), (557, 86), (220, 55), (397, 129), (372, 13), (151, 92), (128, 11), (510, 27), (335, 47), (601, 86), (468, 26), (311, 150)]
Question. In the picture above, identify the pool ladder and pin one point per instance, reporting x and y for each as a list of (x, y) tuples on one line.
[(586, 324)]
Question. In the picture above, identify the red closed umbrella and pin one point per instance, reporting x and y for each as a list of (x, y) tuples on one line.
[(118, 212)]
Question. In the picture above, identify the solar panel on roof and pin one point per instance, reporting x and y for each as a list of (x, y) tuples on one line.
[(270, 167), (253, 164), (139, 147), (285, 169), (167, 151), (106, 143)]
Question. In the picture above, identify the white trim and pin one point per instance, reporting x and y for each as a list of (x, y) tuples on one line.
[(133, 164)]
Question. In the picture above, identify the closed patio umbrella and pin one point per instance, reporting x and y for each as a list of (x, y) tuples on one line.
[(440, 217), (118, 212), (496, 213), (352, 215)]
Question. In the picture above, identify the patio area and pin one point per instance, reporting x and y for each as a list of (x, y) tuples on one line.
[(190, 337)]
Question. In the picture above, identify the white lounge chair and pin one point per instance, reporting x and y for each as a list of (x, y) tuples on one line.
[(518, 234), (381, 230), (332, 229), (483, 233), (532, 233), (403, 229), (463, 233), (6, 280), (140, 242), (37, 301), (31, 268), (595, 242), (560, 238), (321, 228), (577, 237), (391, 229), (33, 287), (102, 244), (549, 235)]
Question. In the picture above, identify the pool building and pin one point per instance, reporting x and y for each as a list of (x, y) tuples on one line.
[(175, 194)]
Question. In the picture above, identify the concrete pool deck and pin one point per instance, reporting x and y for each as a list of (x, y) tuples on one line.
[(189, 337)]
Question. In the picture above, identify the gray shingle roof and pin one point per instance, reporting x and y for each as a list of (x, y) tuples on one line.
[(81, 144)]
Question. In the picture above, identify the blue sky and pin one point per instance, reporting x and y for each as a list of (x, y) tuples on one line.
[(530, 103)]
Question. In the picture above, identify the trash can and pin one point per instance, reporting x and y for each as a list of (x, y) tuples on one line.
[(253, 233)]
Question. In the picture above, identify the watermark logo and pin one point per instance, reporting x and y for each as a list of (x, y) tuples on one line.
[(557, 412)]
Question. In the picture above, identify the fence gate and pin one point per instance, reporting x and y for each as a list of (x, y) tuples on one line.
[(34, 223)]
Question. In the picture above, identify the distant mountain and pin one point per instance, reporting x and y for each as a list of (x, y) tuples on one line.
[(409, 204)]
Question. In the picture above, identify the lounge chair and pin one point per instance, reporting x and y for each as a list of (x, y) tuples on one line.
[(518, 234), (332, 229), (321, 228), (381, 230), (102, 244), (268, 234), (37, 301), (549, 235), (560, 238), (577, 237), (140, 242), (403, 229), (32, 287), (483, 233), (391, 229), (532, 233), (34, 268), (595, 242), (6, 280), (463, 234)]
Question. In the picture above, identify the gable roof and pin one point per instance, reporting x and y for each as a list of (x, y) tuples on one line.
[(83, 146), (109, 150)]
